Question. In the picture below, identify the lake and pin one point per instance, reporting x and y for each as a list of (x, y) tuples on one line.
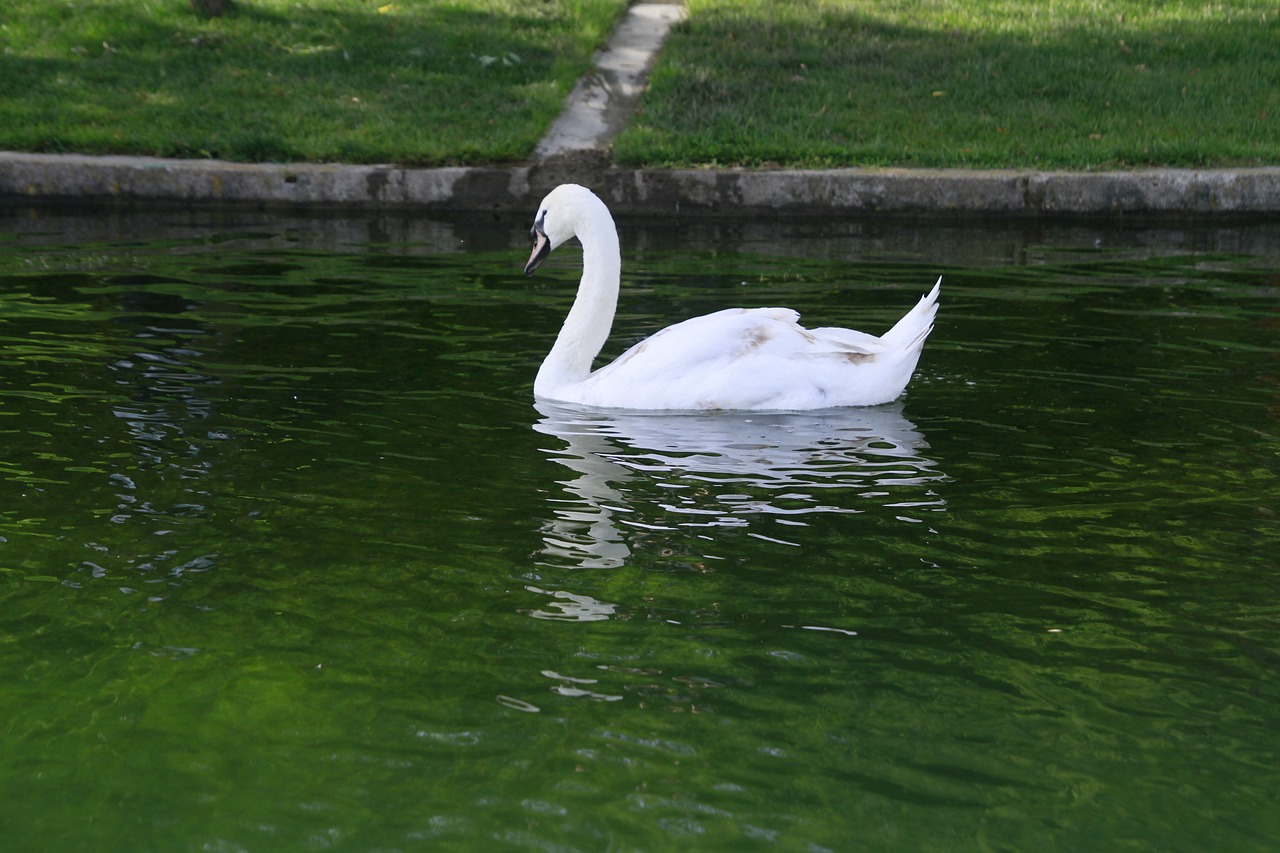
[(289, 560)]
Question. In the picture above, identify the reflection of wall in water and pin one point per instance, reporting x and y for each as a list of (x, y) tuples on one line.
[(935, 241)]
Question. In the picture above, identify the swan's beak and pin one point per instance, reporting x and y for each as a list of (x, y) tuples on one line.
[(541, 248)]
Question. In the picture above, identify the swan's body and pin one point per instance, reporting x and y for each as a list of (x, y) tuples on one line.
[(757, 359)]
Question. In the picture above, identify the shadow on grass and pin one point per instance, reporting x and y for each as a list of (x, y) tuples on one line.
[(755, 84)]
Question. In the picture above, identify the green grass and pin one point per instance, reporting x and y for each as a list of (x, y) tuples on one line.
[(421, 82), (1082, 84)]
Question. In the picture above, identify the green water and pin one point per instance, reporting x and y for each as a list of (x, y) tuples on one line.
[(289, 561)]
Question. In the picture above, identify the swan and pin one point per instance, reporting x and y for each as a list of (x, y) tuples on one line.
[(754, 359)]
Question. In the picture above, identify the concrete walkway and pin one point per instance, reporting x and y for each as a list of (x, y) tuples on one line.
[(602, 101), (576, 149)]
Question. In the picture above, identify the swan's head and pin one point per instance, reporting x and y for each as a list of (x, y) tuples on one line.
[(560, 217)]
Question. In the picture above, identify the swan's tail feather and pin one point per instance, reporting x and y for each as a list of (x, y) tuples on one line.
[(909, 332), (903, 344)]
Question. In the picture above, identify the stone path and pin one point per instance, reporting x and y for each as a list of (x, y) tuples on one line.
[(599, 105)]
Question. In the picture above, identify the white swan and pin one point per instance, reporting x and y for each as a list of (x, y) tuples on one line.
[(757, 359)]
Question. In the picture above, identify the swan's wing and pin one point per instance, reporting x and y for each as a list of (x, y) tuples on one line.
[(733, 338), (845, 341), (725, 336), (759, 358)]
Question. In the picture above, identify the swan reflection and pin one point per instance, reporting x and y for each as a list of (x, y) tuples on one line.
[(639, 474)]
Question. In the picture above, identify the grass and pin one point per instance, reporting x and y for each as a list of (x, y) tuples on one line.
[(1080, 84), (419, 82)]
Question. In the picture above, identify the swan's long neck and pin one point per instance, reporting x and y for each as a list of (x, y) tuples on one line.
[(587, 326)]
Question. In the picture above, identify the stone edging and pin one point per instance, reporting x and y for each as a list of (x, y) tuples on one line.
[(77, 178)]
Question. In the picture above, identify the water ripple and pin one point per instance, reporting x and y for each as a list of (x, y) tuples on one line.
[(666, 472)]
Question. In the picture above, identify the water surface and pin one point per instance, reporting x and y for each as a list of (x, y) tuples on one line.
[(290, 561)]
